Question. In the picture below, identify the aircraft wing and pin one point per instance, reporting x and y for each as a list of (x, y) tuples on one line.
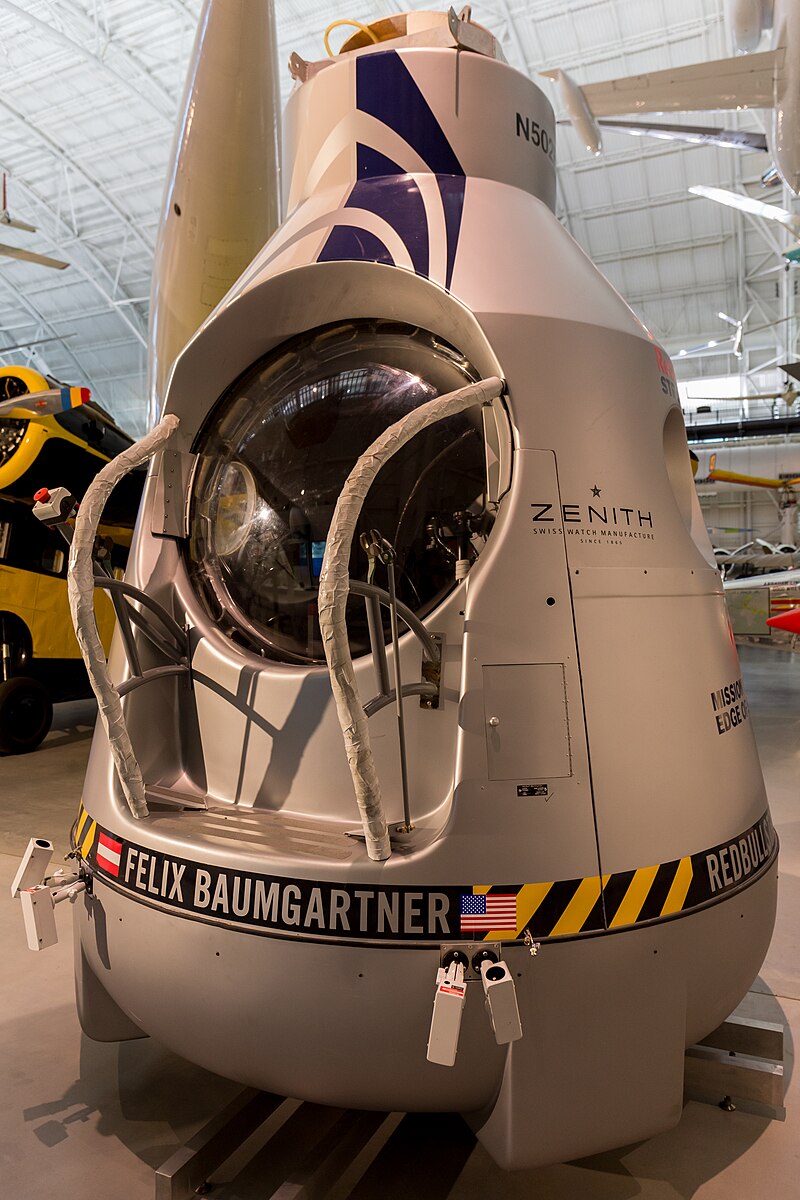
[(785, 579), (749, 480), (696, 134), (716, 399), (746, 81), (718, 476)]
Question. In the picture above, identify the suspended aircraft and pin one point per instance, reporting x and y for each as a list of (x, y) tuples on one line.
[(48, 429), (756, 602), (758, 557), (715, 473), (783, 459), (777, 461), (780, 580), (761, 79)]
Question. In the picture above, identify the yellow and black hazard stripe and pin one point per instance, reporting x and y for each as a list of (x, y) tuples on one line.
[(84, 834), (598, 903), (351, 911), (566, 907)]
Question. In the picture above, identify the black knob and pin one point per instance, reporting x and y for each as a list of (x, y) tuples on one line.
[(455, 956), (482, 956)]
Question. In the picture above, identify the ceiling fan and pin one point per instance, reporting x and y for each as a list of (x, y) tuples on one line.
[(14, 251), (734, 340)]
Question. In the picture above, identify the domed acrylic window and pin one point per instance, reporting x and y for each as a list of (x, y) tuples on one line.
[(275, 454)]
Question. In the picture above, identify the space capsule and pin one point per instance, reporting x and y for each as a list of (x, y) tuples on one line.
[(434, 787)]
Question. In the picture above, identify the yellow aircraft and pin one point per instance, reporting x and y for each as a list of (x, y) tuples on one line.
[(749, 480), (48, 433)]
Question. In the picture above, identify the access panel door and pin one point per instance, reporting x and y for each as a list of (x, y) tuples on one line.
[(527, 733)]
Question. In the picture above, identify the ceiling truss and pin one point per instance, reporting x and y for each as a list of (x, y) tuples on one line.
[(89, 91)]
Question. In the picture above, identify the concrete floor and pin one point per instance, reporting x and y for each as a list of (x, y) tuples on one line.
[(82, 1119)]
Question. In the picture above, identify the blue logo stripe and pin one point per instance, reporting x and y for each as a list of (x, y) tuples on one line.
[(386, 90), (371, 164), (346, 242), (452, 190)]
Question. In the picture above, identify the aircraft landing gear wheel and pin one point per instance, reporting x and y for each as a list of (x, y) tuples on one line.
[(26, 714)]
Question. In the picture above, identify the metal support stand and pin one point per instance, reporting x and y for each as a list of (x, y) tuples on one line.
[(185, 1173), (332, 1154), (739, 1066)]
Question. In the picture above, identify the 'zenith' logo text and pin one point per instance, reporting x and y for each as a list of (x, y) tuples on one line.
[(606, 514)]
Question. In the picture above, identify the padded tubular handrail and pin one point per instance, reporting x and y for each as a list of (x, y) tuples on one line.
[(334, 586), (80, 589)]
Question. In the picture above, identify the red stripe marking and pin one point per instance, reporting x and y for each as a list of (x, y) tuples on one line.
[(106, 864)]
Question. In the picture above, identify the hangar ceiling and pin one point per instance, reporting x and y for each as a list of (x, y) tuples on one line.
[(89, 91)]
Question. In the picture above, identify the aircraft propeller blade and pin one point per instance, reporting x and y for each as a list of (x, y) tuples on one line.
[(697, 135), (33, 342), (44, 404)]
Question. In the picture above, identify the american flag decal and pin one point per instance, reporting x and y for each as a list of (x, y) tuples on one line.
[(481, 913), (108, 853)]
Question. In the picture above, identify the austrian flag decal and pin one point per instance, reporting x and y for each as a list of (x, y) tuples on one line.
[(108, 854)]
